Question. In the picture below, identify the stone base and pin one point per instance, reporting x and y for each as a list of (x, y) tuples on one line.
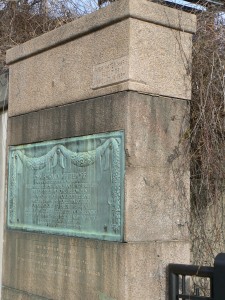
[(40, 266), (155, 211)]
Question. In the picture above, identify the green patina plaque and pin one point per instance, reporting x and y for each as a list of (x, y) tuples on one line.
[(72, 186)]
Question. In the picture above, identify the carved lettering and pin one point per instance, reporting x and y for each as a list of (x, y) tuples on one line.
[(55, 260), (111, 72)]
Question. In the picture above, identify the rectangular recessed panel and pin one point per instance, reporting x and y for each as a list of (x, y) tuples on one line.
[(111, 72), (72, 186)]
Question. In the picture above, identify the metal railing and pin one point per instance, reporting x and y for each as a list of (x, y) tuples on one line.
[(182, 286)]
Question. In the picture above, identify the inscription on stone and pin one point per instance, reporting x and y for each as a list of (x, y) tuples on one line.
[(111, 72), (54, 260), (71, 186)]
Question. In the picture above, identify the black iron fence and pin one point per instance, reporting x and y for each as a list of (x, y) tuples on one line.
[(188, 282)]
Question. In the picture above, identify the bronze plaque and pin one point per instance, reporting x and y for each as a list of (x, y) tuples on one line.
[(72, 186)]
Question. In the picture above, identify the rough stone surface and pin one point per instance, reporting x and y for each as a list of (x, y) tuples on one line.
[(140, 55), (77, 269), (159, 60), (155, 209)]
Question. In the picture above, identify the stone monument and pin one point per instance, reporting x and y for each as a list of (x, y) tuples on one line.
[(97, 110)]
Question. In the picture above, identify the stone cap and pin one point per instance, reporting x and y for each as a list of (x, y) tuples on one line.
[(4, 89), (144, 10)]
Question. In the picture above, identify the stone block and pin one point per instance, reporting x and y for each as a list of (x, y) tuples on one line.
[(149, 50), (76, 269), (156, 192)]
